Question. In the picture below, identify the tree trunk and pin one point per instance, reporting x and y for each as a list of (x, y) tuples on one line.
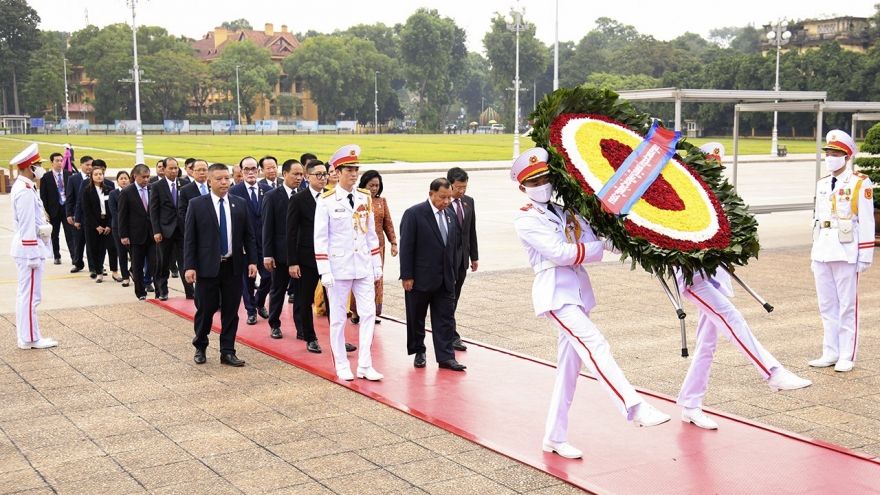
[(422, 101), (15, 91), (3, 103)]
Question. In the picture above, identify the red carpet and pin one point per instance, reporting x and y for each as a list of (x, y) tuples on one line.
[(501, 401)]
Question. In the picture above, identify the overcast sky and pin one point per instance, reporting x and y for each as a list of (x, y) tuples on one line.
[(665, 21)]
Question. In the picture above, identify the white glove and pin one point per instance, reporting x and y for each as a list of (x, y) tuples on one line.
[(327, 280), (34, 263), (377, 272), (862, 266), (607, 245)]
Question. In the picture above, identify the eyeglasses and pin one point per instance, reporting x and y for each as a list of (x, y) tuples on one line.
[(320, 176), (249, 169)]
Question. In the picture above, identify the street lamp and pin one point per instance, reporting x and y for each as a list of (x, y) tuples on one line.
[(139, 135), (238, 98), (556, 51), (376, 102), (67, 101), (778, 36), (517, 26)]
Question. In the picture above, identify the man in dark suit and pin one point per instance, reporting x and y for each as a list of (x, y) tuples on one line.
[(428, 262), (54, 197), (198, 187), (275, 246), (167, 230), (218, 241), (462, 210), (253, 193), (135, 227), (160, 171), (269, 167), (74, 186), (301, 248)]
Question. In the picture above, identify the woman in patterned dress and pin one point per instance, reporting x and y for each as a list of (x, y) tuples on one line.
[(372, 181)]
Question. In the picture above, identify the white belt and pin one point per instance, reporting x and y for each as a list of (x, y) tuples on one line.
[(544, 265)]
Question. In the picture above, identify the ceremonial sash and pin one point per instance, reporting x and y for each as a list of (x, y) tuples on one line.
[(639, 170)]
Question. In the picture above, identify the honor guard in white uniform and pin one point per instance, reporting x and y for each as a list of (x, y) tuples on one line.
[(30, 247), (347, 255), (716, 314), (843, 247), (558, 242)]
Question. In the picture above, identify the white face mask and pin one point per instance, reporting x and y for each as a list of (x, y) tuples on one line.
[(540, 194), (38, 171), (835, 163)]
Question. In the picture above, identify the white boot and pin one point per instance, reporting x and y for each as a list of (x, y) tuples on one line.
[(647, 415), (782, 379), (563, 449), (697, 417)]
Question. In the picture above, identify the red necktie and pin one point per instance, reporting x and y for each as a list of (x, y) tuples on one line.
[(459, 213)]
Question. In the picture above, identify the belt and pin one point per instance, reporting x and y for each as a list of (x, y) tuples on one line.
[(544, 265), (222, 259)]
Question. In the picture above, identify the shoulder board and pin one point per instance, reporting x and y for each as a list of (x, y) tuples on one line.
[(27, 185), (365, 191), (328, 193), (860, 175), (526, 207)]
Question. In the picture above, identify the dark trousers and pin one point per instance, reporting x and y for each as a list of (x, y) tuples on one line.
[(308, 281), (59, 222), (139, 254), (222, 292), (170, 248), (253, 295), (459, 282), (121, 255), (281, 281), (442, 304), (79, 252), (97, 246)]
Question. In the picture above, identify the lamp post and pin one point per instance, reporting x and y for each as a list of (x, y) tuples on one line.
[(778, 36), (238, 98), (139, 135), (376, 102), (556, 51), (517, 26), (66, 102)]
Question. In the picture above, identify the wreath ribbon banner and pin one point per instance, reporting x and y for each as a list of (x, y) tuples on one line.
[(640, 169)]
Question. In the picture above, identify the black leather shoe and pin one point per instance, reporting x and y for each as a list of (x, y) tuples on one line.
[(419, 361), (163, 297), (142, 298), (350, 348), (57, 261), (458, 345), (200, 358), (149, 288), (175, 274), (313, 347), (452, 364), (378, 321), (291, 298), (275, 333), (263, 312), (355, 320), (252, 320), (231, 360), (93, 275), (76, 269)]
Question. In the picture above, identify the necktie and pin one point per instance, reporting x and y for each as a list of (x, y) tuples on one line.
[(204, 190), (144, 197), (833, 182), (551, 209), (458, 213), (60, 187), (351, 199), (254, 197), (224, 239), (174, 193), (443, 232)]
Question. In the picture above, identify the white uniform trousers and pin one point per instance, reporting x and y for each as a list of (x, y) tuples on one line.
[(580, 341), (365, 295), (30, 293), (837, 285), (718, 314)]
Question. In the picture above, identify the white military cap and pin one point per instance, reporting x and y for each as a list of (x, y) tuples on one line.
[(840, 140), (532, 163), (346, 156), (713, 150), (28, 157)]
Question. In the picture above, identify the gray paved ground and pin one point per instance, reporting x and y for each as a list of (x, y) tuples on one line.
[(120, 407)]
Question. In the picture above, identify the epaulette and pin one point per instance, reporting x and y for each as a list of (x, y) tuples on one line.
[(526, 207), (860, 175), (27, 185), (328, 193), (365, 191)]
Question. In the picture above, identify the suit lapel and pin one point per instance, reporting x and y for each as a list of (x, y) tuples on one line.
[(432, 220)]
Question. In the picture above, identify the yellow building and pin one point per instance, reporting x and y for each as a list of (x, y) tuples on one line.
[(280, 45), (852, 33), (81, 91)]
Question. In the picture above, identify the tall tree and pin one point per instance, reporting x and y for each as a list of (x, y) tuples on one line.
[(43, 91), (257, 76), (18, 38), (175, 77), (237, 24)]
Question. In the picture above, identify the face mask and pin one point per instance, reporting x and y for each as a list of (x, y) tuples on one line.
[(540, 194), (835, 163), (38, 172)]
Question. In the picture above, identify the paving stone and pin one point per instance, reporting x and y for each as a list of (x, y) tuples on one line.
[(376, 481)]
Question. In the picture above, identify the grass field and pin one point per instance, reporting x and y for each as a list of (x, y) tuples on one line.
[(375, 149)]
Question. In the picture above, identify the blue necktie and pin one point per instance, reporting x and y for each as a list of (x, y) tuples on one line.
[(224, 239), (204, 191)]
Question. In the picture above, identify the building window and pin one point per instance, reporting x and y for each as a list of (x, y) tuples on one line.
[(829, 28), (298, 84)]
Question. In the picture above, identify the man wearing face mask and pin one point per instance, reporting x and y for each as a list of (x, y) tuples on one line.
[(558, 241), (843, 248), (30, 247)]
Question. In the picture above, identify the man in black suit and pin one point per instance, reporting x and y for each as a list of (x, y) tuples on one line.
[(135, 227), (301, 248), (218, 241), (160, 171), (275, 246), (462, 210), (167, 230), (253, 193), (269, 167), (198, 187), (54, 197), (74, 186), (428, 262)]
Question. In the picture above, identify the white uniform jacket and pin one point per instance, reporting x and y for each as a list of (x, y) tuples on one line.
[(556, 250), (852, 197), (27, 216), (346, 245)]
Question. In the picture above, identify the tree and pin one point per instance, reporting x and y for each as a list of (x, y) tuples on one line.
[(44, 87), (175, 77), (237, 24), (257, 76), (477, 91), (18, 38)]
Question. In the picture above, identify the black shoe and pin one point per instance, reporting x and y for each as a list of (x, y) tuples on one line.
[(264, 314), (291, 298), (231, 360), (378, 321), (93, 275), (355, 320), (200, 358), (163, 297), (175, 274), (104, 272), (57, 261), (142, 298), (76, 269), (299, 336), (150, 288), (313, 347), (275, 333), (419, 361), (252, 320), (350, 348), (458, 345), (452, 364)]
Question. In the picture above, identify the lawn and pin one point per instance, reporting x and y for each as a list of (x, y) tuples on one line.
[(375, 149)]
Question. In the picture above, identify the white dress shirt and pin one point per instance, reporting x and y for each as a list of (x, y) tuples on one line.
[(228, 211)]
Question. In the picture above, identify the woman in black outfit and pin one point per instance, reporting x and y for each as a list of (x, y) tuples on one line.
[(96, 216), (122, 180)]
